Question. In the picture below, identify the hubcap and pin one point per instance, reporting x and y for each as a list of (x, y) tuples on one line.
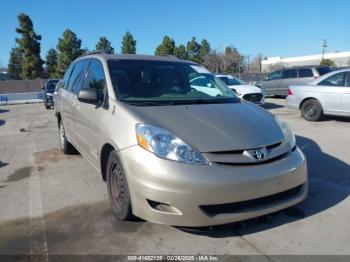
[(311, 110), (117, 187)]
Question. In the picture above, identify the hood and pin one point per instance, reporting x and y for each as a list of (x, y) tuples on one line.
[(214, 127), (243, 89)]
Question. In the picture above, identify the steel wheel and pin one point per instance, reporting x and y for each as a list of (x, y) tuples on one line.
[(118, 190)]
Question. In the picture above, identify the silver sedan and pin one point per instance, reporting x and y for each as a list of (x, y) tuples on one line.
[(327, 95)]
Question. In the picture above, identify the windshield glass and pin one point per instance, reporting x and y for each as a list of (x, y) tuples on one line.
[(231, 81), (51, 85), (158, 82)]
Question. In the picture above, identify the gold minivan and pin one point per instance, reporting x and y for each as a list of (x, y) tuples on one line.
[(176, 151)]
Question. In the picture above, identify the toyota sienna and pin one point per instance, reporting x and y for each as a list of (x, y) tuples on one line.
[(172, 152)]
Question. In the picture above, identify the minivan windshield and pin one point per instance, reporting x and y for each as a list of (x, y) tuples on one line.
[(144, 82)]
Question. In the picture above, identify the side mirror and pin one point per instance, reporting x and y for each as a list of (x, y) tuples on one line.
[(88, 95)]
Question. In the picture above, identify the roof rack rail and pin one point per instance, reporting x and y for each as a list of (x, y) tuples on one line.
[(172, 56), (95, 52)]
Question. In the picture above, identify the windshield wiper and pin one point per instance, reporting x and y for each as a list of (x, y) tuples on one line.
[(204, 101), (147, 103)]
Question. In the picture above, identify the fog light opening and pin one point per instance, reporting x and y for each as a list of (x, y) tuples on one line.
[(163, 207)]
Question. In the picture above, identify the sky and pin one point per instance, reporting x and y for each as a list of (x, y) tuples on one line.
[(271, 27)]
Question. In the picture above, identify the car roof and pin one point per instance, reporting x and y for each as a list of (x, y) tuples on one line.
[(106, 57)]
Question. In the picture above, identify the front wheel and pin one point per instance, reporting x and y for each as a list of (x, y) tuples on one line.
[(66, 147), (311, 110), (118, 190)]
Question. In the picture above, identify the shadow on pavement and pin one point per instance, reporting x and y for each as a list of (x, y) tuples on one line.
[(2, 122), (4, 110), (329, 184), (269, 105)]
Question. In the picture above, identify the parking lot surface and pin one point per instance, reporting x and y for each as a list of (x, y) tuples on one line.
[(56, 204)]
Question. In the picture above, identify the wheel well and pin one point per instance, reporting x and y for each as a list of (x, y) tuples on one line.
[(105, 151), (307, 99), (58, 119)]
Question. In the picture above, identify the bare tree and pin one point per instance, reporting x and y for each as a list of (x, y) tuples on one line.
[(214, 61), (255, 65)]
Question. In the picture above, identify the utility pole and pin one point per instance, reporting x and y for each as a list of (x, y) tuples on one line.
[(324, 45)]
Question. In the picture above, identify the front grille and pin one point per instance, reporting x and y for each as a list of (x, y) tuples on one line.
[(244, 206), (254, 97)]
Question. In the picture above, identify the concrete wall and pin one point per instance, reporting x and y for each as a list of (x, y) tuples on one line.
[(21, 91)]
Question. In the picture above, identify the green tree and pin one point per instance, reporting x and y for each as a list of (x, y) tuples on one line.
[(204, 49), (327, 62), (104, 45), (51, 63), (69, 48), (193, 50), (181, 52), (29, 43), (167, 47), (15, 63), (128, 44)]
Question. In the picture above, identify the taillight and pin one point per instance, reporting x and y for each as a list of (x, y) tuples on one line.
[(290, 92)]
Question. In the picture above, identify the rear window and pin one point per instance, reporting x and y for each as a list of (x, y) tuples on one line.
[(289, 73), (322, 70), (305, 72)]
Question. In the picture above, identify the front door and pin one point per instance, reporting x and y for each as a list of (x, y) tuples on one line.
[(89, 116)]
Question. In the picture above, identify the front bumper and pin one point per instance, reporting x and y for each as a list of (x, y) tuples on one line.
[(186, 188)]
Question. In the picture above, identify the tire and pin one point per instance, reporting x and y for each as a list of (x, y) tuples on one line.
[(47, 107), (311, 110), (66, 147), (118, 190)]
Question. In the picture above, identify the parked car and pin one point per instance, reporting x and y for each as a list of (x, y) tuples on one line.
[(278, 82), (55, 94), (173, 152), (48, 90), (327, 95), (249, 93)]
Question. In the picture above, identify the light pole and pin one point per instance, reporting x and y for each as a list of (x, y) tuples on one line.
[(324, 45)]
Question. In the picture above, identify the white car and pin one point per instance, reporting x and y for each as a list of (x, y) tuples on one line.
[(327, 95), (247, 92)]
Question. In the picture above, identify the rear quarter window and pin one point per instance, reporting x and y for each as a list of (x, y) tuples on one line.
[(305, 72), (323, 70)]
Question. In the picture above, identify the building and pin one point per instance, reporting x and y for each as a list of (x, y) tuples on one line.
[(341, 59)]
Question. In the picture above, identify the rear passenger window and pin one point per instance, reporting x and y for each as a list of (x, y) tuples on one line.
[(305, 72), (289, 73), (77, 78), (334, 80)]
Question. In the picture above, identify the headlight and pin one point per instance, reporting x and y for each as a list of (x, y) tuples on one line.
[(166, 145), (287, 132)]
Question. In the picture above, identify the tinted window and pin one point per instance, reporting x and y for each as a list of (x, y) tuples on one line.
[(305, 72), (67, 76), (275, 75), (230, 81), (76, 80), (322, 70), (163, 82), (334, 80), (289, 73), (348, 79), (96, 78)]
